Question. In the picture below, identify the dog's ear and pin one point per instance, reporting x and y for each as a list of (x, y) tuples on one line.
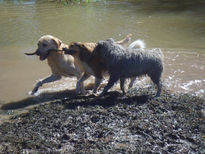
[(111, 40), (88, 46), (78, 44), (97, 50), (57, 42), (100, 44)]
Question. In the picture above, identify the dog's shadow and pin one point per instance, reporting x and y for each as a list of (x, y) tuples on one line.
[(41, 98), (72, 100), (110, 99)]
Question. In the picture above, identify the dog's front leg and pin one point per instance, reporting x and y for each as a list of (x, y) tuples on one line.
[(97, 83), (111, 82), (80, 83), (48, 79), (122, 82)]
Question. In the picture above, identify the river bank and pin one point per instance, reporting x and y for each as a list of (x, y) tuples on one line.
[(138, 122)]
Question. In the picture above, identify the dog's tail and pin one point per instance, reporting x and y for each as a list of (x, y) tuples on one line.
[(137, 44)]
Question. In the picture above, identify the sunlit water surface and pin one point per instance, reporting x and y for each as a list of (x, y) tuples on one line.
[(179, 30)]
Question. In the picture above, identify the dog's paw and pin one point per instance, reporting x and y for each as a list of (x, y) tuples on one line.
[(81, 92), (32, 93), (95, 94), (86, 93)]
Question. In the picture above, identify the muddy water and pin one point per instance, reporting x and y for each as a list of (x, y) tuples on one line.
[(175, 27)]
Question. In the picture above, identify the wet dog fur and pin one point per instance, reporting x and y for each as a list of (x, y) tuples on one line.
[(50, 48), (125, 63), (60, 64), (92, 64)]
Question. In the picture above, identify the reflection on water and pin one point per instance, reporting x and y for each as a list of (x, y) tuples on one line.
[(178, 27)]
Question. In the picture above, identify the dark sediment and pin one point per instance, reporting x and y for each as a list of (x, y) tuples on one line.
[(171, 123)]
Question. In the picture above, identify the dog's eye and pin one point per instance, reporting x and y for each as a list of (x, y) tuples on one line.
[(44, 45)]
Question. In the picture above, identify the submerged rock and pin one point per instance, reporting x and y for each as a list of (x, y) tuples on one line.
[(138, 122)]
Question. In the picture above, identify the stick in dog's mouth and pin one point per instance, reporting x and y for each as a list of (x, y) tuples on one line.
[(30, 54), (35, 53)]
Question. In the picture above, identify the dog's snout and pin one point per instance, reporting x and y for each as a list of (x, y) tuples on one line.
[(67, 51), (38, 52)]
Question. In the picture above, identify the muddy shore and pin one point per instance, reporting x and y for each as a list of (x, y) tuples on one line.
[(138, 122)]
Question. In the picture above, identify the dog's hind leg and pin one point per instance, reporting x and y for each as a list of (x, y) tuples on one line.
[(122, 82), (80, 83), (156, 78), (111, 82), (159, 87), (48, 79), (132, 82)]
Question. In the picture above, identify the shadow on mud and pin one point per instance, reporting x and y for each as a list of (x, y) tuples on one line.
[(41, 98), (33, 100), (110, 99)]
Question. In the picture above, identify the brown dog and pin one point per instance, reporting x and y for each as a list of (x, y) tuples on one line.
[(60, 64), (50, 48), (92, 64)]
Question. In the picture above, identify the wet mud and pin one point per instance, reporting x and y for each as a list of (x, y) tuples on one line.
[(137, 122)]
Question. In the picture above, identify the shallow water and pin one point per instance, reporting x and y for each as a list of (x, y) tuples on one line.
[(178, 28)]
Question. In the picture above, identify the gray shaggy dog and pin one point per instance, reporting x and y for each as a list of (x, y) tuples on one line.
[(125, 63)]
